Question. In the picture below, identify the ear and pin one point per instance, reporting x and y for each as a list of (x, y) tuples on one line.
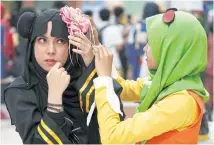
[(25, 24)]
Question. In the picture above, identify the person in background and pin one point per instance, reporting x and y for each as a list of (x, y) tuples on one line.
[(9, 49), (138, 39), (208, 114), (111, 37), (89, 13), (127, 29), (209, 71), (58, 4), (7, 54), (121, 21), (3, 63)]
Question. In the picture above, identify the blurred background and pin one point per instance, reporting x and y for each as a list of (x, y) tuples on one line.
[(121, 28)]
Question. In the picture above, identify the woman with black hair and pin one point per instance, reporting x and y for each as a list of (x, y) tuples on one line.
[(43, 108)]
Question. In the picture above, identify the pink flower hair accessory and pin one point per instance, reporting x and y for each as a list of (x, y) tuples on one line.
[(75, 20)]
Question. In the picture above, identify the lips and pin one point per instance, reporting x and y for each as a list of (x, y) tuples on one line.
[(51, 62)]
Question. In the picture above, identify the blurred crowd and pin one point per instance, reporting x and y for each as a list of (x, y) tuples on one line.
[(118, 30)]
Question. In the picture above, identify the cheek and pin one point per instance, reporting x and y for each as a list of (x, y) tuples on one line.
[(63, 54), (151, 61), (39, 54), (149, 56)]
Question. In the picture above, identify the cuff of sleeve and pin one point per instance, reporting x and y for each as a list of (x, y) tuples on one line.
[(103, 81), (111, 96), (57, 117), (53, 128)]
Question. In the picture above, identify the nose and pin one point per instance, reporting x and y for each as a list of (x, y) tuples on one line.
[(51, 49)]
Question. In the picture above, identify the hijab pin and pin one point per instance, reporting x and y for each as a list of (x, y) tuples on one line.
[(169, 16)]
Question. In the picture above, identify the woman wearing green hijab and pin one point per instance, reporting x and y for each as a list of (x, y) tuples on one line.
[(171, 106)]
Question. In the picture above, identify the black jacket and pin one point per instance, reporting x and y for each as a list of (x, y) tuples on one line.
[(36, 125)]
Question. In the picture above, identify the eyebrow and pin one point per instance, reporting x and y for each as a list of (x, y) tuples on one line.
[(43, 36), (55, 37)]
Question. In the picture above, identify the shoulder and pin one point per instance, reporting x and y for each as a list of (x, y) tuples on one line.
[(180, 100), (181, 95), (18, 83), (17, 90), (15, 87)]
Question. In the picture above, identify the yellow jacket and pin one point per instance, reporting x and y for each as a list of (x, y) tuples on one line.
[(175, 112)]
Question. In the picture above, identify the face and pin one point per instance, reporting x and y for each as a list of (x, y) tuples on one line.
[(151, 63), (48, 50)]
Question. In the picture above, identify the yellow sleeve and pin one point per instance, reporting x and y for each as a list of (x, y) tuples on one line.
[(177, 111), (131, 89)]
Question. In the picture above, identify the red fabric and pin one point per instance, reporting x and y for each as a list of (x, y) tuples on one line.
[(209, 68), (2, 10), (209, 72), (9, 46), (9, 51)]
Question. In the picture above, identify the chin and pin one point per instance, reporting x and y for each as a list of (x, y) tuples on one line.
[(151, 67), (47, 68)]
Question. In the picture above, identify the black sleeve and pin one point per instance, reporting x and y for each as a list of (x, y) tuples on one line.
[(31, 125), (87, 91), (57, 117)]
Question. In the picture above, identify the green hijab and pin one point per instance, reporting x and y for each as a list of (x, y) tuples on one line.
[(181, 53)]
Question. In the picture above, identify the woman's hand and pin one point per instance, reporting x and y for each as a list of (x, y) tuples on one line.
[(84, 44), (84, 47), (58, 80), (103, 61), (95, 33)]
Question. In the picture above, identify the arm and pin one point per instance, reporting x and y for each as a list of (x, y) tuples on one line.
[(160, 118), (30, 124), (86, 87), (131, 89)]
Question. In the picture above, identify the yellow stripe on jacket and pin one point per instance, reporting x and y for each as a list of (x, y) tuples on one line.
[(51, 132), (88, 98), (85, 85), (45, 138)]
